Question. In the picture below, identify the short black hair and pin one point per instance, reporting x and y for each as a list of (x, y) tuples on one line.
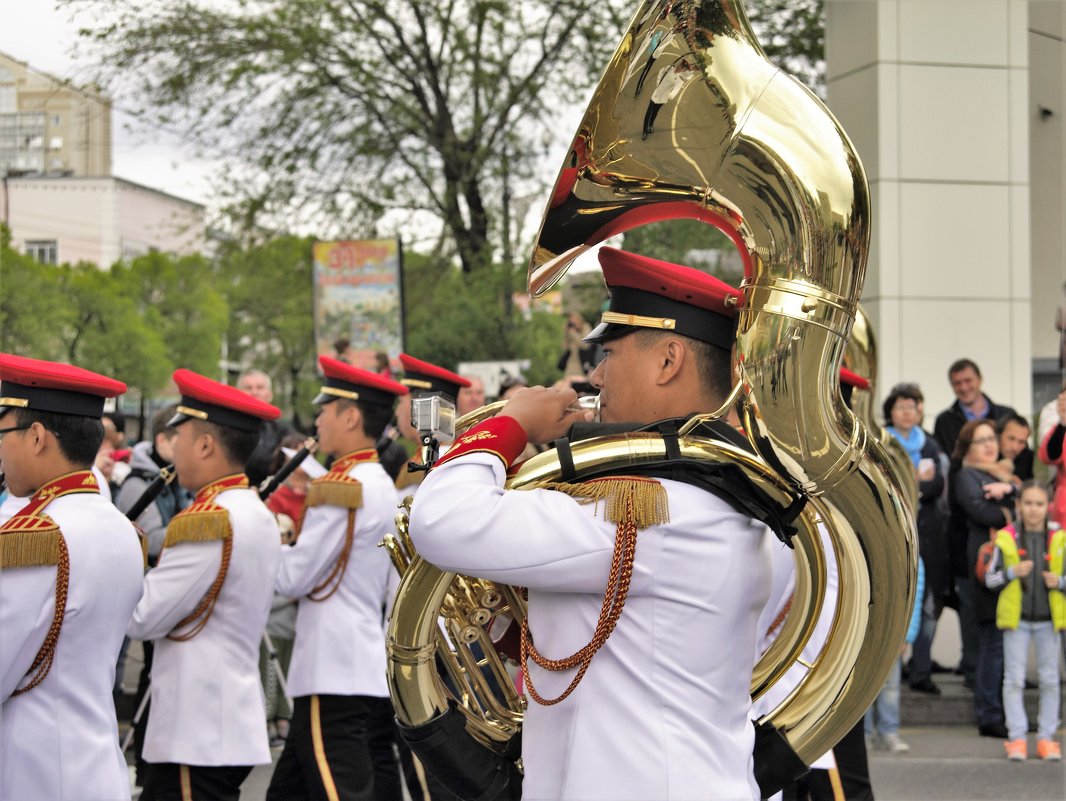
[(79, 437), (713, 363), (909, 391), (375, 416), (1003, 422), (963, 364), (238, 445)]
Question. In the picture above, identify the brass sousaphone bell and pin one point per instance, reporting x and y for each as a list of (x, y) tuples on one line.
[(733, 141)]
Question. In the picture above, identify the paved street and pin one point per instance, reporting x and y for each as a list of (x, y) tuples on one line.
[(945, 763)]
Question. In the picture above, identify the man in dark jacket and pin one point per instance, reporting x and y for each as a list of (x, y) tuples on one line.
[(970, 404)]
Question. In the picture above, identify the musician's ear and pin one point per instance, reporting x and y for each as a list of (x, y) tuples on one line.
[(351, 416), (205, 444)]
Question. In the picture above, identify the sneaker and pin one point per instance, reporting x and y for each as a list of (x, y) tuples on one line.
[(873, 742), (1048, 750), (1017, 750), (893, 744)]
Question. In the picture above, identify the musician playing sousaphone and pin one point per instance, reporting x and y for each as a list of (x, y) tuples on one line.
[(70, 575), (206, 603), (645, 693)]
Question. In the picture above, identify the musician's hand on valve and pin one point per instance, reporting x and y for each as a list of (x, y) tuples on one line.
[(544, 412)]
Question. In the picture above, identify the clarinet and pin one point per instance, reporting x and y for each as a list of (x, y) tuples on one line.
[(271, 483), (151, 492)]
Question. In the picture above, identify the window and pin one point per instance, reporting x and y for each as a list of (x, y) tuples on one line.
[(55, 143), (56, 119), (44, 251)]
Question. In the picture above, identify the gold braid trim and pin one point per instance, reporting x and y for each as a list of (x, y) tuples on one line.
[(335, 490), (632, 503), (31, 542), (37, 542), (648, 498), (204, 521), (336, 575), (201, 522)]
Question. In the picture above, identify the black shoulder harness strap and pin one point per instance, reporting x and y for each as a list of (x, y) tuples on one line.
[(723, 479)]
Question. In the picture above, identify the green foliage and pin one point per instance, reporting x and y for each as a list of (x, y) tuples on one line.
[(180, 298), (792, 32), (268, 287), (673, 240), (109, 333), (136, 322), (352, 108), (31, 324), (452, 317)]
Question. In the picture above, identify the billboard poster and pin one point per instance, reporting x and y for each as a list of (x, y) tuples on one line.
[(357, 296)]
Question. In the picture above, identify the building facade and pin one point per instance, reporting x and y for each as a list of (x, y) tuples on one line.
[(955, 108), (101, 220), (49, 126)]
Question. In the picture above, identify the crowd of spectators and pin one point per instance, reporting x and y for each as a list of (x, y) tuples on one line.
[(970, 470)]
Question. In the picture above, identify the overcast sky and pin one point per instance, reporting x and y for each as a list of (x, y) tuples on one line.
[(35, 32)]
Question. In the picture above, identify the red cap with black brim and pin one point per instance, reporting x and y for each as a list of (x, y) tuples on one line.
[(651, 294), (203, 398), (54, 387), (421, 377), (345, 381)]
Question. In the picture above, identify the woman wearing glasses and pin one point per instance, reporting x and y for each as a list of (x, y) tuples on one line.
[(986, 504)]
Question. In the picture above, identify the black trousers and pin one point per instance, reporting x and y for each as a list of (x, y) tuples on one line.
[(850, 781), (166, 781), (339, 748)]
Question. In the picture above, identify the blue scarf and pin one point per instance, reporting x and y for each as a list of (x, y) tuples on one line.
[(912, 444)]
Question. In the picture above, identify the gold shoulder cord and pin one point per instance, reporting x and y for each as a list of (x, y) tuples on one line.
[(633, 503), (38, 542), (346, 492)]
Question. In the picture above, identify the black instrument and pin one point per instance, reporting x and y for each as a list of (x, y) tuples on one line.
[(151, 492), (271, 483)]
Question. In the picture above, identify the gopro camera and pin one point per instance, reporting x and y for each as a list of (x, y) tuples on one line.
[(433, 415)]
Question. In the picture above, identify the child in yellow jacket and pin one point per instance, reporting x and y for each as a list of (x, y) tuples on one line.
[(1027, 569)]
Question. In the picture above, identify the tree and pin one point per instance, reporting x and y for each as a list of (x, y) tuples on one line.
[(180, 298), (31, 321), (353, 108), (269, 291), (792, 32)]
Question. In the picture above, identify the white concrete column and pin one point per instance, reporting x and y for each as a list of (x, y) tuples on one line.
[(1047, 137), (935, 96)]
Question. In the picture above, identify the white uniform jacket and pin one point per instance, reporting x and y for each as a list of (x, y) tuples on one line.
[(663, 711), (207, 698), (340, 642), (59, 741)]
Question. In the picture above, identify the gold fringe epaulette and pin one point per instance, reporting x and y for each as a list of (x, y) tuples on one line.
[(334, 489), (201, 522), (642, 500), (30, 542)]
